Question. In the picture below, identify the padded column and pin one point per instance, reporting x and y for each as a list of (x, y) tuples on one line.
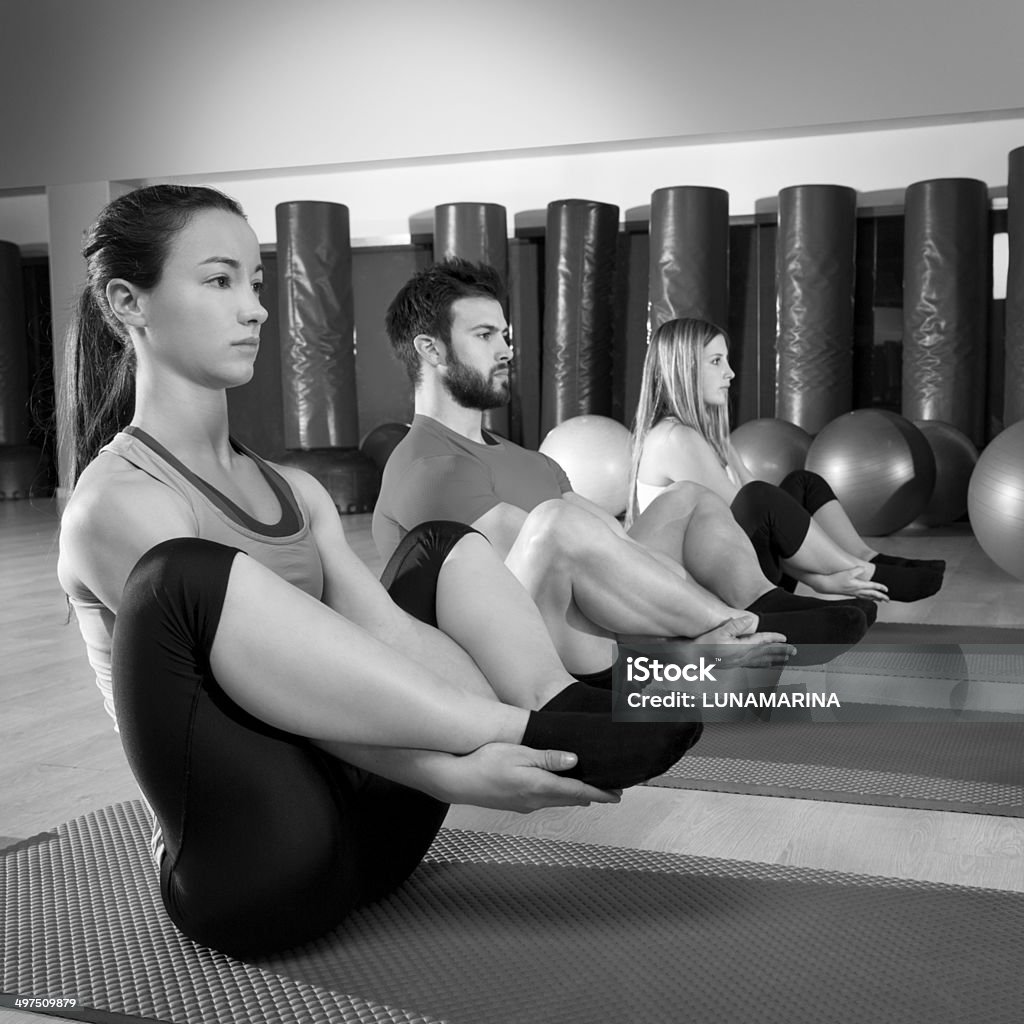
[(318, 368), (317, 343), (946, 291), (1013, 400), (478, 232), (689, 268), (23, 472), (13, 349), (814, 287), (579, 284)]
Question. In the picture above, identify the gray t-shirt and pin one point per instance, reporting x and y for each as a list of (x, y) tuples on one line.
[(435, 473)]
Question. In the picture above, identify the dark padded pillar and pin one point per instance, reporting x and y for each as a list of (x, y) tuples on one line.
[(478, 232), (814, 283), (13, 349), (318, 369), (1013, 400), (689, 268), (946, 292), (579, 317)]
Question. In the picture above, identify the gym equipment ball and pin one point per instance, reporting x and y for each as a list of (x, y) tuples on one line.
[(995, 500), (955, 459), (880, 466), (379, 443), (771, 448), (594, 451)]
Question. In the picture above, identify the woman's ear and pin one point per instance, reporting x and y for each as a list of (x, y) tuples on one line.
[(124, 299)]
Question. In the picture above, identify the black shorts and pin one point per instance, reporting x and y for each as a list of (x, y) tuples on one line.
[(269, 841)]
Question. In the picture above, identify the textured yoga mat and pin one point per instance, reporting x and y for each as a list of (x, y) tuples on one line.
[(508, 930), (881, 748)]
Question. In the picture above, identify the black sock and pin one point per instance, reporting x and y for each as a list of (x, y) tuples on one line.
[(829, 626), (905, 583), (779, 600), (935, 564), (865, 605), (580, 696), (611, 755)]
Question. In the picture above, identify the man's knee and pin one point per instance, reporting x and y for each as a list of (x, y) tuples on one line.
[(557, 531)]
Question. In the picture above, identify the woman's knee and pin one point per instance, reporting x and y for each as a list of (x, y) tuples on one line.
[(755, 503), (181, 570), (680, 501), (808, 489)]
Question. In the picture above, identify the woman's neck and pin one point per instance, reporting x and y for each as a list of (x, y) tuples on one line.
[(188, 420)]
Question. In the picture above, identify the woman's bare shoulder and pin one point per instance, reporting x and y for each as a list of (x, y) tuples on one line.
[(115, 514), (110, 485), (670, 432)]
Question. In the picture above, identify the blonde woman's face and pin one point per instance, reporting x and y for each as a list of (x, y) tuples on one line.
[(716, 373)]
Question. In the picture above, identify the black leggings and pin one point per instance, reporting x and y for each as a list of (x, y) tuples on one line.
[(776, 519), (269, 840)]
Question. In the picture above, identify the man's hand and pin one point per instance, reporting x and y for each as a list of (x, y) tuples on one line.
[(508, 777)]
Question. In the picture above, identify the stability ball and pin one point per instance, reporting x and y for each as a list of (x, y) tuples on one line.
[(955, 459), (880, 466), (379, 443), (771, 448), (594, 451), (995, 500)]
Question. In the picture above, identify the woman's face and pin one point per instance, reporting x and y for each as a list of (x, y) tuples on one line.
[(716, 373), (202, 319)]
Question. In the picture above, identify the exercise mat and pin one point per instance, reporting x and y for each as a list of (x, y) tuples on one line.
[(928, 717), (498, 929)]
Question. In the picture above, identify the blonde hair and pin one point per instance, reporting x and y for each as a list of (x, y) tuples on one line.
[(671, 386)]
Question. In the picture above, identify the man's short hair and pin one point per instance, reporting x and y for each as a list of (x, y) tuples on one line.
[(424, 305)]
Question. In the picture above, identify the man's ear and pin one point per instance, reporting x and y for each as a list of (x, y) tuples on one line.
[(124, 299), (431, 350)]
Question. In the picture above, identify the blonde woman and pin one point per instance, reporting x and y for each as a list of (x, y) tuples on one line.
[(799, 529)]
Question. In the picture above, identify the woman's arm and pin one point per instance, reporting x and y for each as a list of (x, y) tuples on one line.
[(740, 467), (680, 453), (498, 775), (502, 776), (353, 591)]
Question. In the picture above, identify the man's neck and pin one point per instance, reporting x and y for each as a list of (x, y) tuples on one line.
[(441, 407)]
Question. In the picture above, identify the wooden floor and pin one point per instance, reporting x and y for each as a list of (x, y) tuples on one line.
[(60, 758)]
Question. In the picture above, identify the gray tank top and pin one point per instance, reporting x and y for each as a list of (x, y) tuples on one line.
[(285, 547)]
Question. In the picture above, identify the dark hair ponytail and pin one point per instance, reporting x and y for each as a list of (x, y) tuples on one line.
[(98, 386), (130, 240)]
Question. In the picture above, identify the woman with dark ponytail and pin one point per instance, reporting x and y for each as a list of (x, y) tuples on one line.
[(128, 241), (297, 726)]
